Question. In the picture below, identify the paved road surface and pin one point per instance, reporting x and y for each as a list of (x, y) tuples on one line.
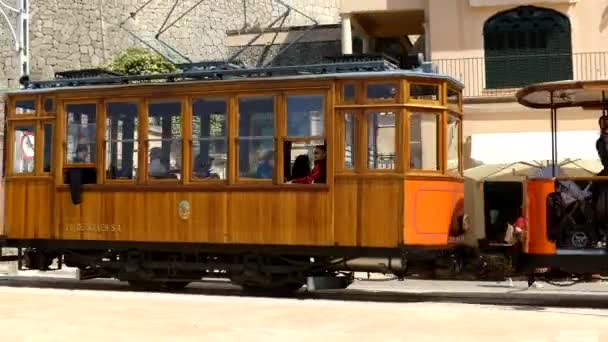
[(60, 309), (34, 314)]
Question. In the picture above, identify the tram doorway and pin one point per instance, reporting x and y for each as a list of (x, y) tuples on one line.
[(503, 202)]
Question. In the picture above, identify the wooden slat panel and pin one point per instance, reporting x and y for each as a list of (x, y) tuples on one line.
[(381, 212), (29, 207), (346, 211)]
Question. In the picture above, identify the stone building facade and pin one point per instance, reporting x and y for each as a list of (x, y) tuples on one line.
[(75, 34)]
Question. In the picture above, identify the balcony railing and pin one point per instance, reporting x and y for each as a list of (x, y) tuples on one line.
[(502, 76)]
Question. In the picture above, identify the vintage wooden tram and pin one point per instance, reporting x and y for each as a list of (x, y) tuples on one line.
[(161, 180)]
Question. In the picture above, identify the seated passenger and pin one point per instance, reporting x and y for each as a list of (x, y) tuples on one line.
[(156, 168), (266, 166), (318, 174), (301, 167)]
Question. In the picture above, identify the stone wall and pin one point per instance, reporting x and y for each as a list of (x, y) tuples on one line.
[(72, 34)]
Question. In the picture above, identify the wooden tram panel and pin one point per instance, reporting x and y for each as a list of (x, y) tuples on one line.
[(363, 208)]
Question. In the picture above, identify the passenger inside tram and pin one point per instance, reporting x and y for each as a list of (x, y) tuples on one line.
[(319, 171)]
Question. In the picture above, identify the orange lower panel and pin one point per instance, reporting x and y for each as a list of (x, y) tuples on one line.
[(537, 192), (431, 208)]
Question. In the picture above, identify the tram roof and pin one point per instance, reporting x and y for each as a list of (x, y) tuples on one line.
[(320, 72), (585, 94)]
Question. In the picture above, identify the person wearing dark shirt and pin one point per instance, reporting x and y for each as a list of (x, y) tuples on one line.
[(601, 145), (318, 173)]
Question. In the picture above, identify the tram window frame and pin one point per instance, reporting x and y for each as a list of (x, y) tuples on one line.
[(310, 141), (98, 110), (438, 142), (357, 88), (143, 170), (228, 117), (43, 147), (364, 149), (53, 109), (12, 127), (398, 98), (412, 100), (276, 99), (137, 146), (457, 106), (459, 170), (13, 107), (341, 139)]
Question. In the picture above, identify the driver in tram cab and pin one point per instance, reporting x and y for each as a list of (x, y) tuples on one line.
[(601, 145), (318, 173)]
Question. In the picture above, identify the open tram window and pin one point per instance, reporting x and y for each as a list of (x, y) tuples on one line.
[(81, 131), (304, 147), (424, 141), (121, 140), (24, 148), (165, 140), (256, 137), (381, 140), (453, 144), (209, 139)]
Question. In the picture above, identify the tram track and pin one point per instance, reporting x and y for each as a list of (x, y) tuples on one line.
[(397, 292)]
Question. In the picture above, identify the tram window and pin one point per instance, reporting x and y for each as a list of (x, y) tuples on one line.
[(381, 143), (48, 147), (81, 131), (164, 140), (452, 144), (453, 99), (24, 149), (349, 140), (424, 134), (305, 115), (25, 107), (301, 159), (49, 105), (381, 91), (429, 92), (121, 140), (348, 93), (256, 137), (209, 137)]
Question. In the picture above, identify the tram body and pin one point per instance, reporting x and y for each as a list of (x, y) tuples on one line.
[(79, 184), (567, 236)]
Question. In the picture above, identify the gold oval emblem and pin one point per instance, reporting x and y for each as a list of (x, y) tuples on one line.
[(184, 210)]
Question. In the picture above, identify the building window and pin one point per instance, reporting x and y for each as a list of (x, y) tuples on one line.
[(81, 133), (256, 137), (165, 140), (24, 149), (424, 141), (209, 139), (452, 144), (527, 45), (121, 137), (381, 140)]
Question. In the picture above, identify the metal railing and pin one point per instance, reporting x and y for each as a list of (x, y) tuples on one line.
[(502, 76)]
